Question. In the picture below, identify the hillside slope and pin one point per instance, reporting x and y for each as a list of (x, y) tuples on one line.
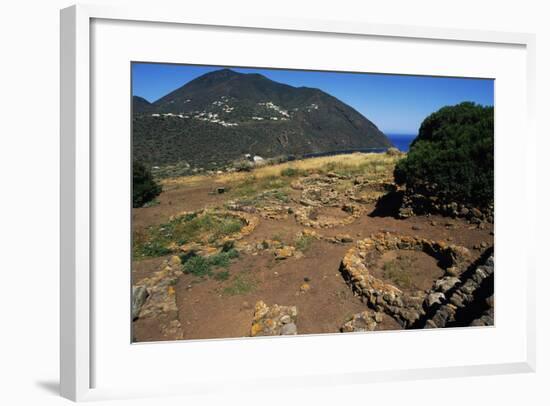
[(222, 115)]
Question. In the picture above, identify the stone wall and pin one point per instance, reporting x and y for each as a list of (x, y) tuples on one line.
[(408, 308)]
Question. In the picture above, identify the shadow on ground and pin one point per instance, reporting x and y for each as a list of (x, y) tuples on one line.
[(388, 205), (52, 387)]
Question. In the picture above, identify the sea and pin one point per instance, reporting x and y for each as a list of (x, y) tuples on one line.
[(402, 141)]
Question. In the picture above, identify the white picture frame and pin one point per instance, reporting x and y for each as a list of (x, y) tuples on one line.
[(77, 281)]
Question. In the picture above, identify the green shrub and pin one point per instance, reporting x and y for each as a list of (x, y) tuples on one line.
[(223, 259), (203, 266), (452, 157), (144, 187), (292, 172), (243, 165), (143, 247), (197, 266)]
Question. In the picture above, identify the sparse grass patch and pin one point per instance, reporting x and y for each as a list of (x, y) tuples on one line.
[(303, 242), (305, 166), (203, 266), (372, 166), (292, 171), (253, 185), (240, 285), (210, 227), (261, 199), (145, 247), (222, 276), (277, 237), (398, 271)]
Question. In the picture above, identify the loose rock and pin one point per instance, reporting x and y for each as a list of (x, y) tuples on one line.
[(273, 321)]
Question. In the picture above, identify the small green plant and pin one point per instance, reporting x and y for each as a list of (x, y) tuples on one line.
[(223, 259), (240, 285), (203, 266), (277, 237), (303, 242), (143, 247), (222, 276), (197, 266)]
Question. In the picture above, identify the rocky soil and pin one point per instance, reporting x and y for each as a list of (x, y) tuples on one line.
[(316, 254)]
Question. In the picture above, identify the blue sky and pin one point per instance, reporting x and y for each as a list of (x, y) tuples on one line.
[(397, 104)]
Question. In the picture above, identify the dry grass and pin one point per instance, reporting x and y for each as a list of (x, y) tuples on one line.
[(348, 163)]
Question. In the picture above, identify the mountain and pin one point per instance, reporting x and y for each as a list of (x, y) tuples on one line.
[(222, 115), (140, 105)]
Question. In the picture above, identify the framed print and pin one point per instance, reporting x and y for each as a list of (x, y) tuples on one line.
[(290, 191)]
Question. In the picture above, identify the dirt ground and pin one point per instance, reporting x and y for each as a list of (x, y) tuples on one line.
[(207, 310)]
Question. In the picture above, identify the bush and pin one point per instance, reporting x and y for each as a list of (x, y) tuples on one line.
[(197, 266), (452, 157), (202, 266), (292, 172), (144, 187), (243, 165)]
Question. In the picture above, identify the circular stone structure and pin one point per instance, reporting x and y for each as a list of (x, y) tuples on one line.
[(369, 191), (407, 307), (314, 217), (249, 223)]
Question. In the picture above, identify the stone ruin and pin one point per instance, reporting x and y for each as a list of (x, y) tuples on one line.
[(415, 203), (155, 298), (206, 247), (369, 191), (267, 206), (473, 291), (310, 216), (273, 321), (361, 322), (439, 306)]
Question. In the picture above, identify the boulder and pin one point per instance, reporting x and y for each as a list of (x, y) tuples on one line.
[(446, 283), (139, 296), (361, 322), (435, 298), (284, 252), (289, 329), (273, 320)]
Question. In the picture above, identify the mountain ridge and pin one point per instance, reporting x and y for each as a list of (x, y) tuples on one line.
[(245, 113)]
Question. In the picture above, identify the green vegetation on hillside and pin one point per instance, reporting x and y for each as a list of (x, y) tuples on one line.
[(219, 117), (452, 157)]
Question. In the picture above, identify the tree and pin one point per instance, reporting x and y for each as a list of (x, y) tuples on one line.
[(144, 187), (452, 158)]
